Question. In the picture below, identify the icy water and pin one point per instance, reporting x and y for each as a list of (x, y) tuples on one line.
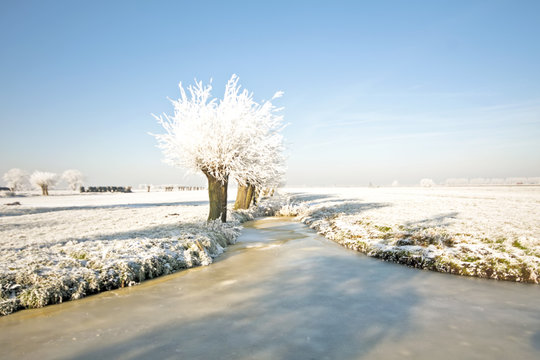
[(284, 292)]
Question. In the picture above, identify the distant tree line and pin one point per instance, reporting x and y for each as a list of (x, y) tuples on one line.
[(482, 181), (493, 181), (170, 187), (17, 179), (92, 189)]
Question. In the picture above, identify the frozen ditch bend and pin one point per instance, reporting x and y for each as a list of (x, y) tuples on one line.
[(285, 292)]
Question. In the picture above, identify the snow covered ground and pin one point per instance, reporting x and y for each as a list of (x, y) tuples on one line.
[(66, 246), (491, 232)]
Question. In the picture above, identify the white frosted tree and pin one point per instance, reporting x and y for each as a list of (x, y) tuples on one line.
[(215, 138), (74, 178), (262, 147), (15, 179), (265, 171), (427, 183), (43, 180)]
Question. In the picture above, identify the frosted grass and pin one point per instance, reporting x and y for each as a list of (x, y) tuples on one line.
[(65, 247), (490, 232)]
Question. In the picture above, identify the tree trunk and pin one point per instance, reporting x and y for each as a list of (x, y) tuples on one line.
[(250, 196), (45, 190), (241, 196), (217, 194), (255, 195), (244, 196)]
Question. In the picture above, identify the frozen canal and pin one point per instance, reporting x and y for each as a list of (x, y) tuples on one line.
[(284, 292)]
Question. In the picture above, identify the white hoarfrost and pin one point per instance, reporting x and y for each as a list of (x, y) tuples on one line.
[(74, 178), (59, 248), (262, 151), (43, 180), (218, 138), (16, 179), (491, 232), (234, 137), (427, 183)]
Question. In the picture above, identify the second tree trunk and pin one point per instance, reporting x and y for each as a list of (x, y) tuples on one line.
[(244, 196)]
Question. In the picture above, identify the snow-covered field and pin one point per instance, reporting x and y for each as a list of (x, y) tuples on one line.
[(66, 246), (491, 232)]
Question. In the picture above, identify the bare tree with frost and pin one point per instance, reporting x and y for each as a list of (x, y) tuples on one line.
[(215, 138), (267, 170), (74, 178), (43, 180), (15, 179), (427, 182), (261, 149)]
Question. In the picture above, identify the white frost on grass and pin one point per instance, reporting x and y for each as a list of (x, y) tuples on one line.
[(60, 248), (491, 232)]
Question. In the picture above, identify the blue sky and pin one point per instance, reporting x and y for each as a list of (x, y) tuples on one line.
[(375, 91)]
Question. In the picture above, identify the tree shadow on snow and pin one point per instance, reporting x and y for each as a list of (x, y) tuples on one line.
[(351, 207), (308, 197), (329, 203), (441, 220), (31, 211), (160, 231)]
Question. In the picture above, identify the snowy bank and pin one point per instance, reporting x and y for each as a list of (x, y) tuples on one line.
[(486, 232), (59, 248)]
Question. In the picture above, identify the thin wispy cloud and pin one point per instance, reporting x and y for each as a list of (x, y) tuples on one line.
[(419, 135)]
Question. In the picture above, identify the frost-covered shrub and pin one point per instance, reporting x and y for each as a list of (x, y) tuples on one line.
[(292, 208)]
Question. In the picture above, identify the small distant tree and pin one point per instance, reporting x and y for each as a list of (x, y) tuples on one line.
[(212, 137), (427, 183), (74, 178), (44, 180), (15, 179)]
